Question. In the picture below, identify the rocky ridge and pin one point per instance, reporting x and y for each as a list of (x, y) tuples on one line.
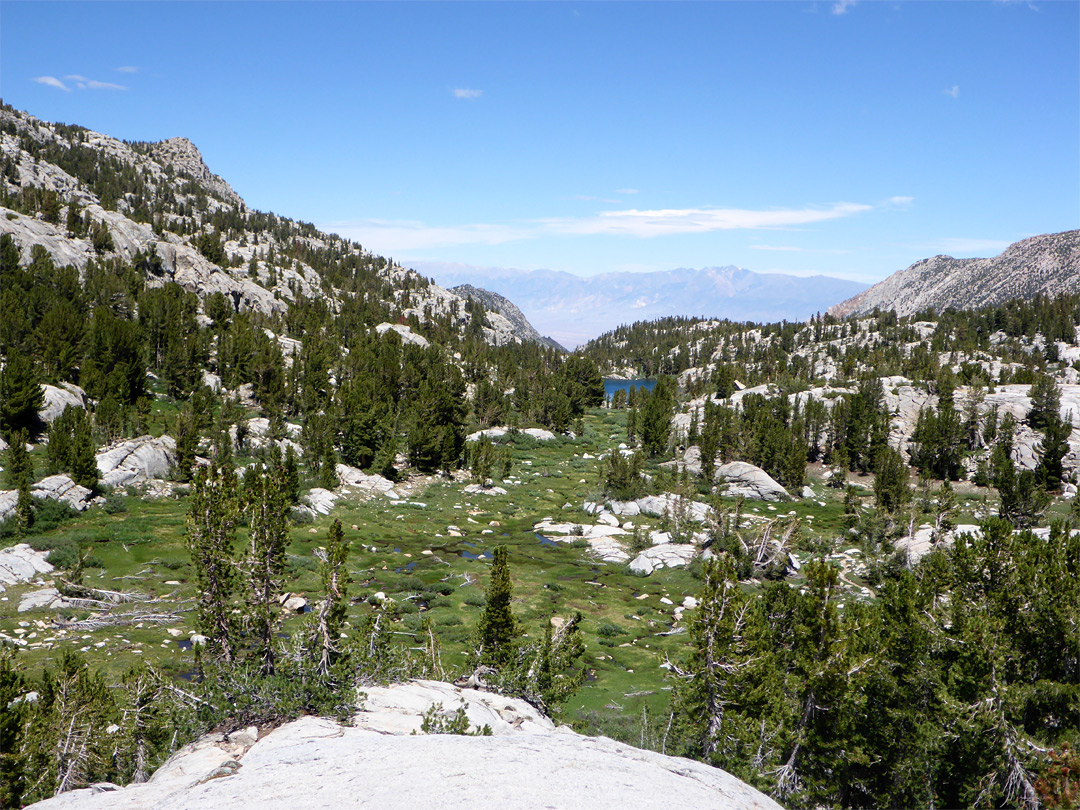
[(174, 170), (493, 302), (1047, 264)]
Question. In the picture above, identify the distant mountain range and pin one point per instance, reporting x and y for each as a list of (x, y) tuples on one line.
[(573, 309), (1048, 264)]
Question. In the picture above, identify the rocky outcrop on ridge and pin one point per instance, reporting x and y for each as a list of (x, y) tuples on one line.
[(1048, 264), (173, 174), (493, 302), (380, 762), (185, 158)]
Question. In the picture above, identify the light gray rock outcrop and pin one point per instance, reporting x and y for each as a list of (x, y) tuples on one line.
[(315, 763), (54, 487), (57, 399), (21, 563), (539, 434), (9, 499), (750, 482), (321, 500), (670, 504), (46, 598), (62, 488), (603, 539), (136, 461), (185, 158), (406, 333), (665, 555)]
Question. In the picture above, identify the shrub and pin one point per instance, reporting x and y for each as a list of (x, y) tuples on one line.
[(50, 514), (115, 504), (610, 630), (64, 556), (301, 517)]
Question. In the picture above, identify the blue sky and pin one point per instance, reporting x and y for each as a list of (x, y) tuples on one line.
[(844, 138)]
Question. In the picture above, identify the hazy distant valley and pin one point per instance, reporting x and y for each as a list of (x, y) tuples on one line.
[(574, 310)]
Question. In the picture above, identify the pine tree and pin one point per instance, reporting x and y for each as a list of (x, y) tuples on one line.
[(498, 630), (211, 529), (1045, 397), (83, 466), (19, 472), (21, 396), (1051, 451), (13, 782), (291, 472), (335, 579), (58, 450), (891, 487), (711, 685), (265, 504), (656, 416)]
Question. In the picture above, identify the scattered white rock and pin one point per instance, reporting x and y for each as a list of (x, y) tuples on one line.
[(480, 489)]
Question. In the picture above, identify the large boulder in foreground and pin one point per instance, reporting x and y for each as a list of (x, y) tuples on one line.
[(750, 482), (379, 763)]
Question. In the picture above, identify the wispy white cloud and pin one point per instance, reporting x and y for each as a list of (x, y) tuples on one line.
[(466, 93), (394, 235), (900, 202), (127, 69), (52, 81), (672, 221), (841, 6), (953, 91), (84, 83)]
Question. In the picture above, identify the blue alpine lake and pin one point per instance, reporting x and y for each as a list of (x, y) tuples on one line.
[(611, 386)]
